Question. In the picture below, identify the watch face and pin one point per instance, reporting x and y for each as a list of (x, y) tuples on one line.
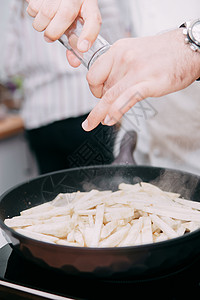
[(195, 32)]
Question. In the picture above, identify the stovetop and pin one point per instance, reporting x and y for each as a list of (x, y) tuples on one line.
[(22, 279)]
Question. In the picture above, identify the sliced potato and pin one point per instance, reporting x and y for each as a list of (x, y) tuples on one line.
[(132, 215)]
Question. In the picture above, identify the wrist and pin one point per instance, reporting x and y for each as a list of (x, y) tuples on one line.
[(191, 58), (191, 33)]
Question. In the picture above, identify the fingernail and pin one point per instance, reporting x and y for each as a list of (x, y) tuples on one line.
[(47, 39), (107, 120), (85, 125), (84, 45)]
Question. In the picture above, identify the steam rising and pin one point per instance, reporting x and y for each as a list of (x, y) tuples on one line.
[(183, 183)]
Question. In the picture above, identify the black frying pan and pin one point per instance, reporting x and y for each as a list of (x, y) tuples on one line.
[(140, 261)]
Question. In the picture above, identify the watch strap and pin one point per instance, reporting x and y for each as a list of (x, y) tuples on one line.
[(184, 25)]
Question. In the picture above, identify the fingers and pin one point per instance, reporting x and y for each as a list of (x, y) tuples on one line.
[(34, 7), (99, 73), (45, 15), (54, 17), (72, 59), (99, 113), (64, 17), (96, 115), (92, 24), (110, 111), (126, 101)]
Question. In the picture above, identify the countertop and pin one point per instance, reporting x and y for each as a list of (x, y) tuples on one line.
[(10, 125)]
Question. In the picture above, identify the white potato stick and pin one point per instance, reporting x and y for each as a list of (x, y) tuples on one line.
[(86, 212), (59, 230), (112, 214), (90, 220), (179, 213), (133, 234), (140, 199), (161, 237), (150, 187), (37, 209), (188, 203), (138, 240), (64, 199), (56, 211), (73, 219), (88, 236), (132, 215), (84, 201), (19, 222), (173, 223), (66, 243), (89, 204), (180, 230), (163, 226), (57, 219), (115, 198), (108, 229), (124, 221), (70, 236), (130, 187), (191, 226), (79, 238), (60, 200), (100, 198), (82, 222), (172, 195), (114, 239), (98, 225), (38, 236), (146, 230), (116, 194)]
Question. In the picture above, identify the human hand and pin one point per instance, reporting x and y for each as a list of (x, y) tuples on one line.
[(55, 17), (136, 68)]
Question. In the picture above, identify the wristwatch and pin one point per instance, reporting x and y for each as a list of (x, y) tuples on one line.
[(191, 29), (192, 32)]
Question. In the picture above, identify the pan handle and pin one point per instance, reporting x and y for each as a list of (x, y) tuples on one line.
[(127, 147)]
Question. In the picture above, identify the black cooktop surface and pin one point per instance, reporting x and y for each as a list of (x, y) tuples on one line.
[(180, 284)]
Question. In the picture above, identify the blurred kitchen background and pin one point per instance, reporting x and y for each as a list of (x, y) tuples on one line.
[(17, 163)]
